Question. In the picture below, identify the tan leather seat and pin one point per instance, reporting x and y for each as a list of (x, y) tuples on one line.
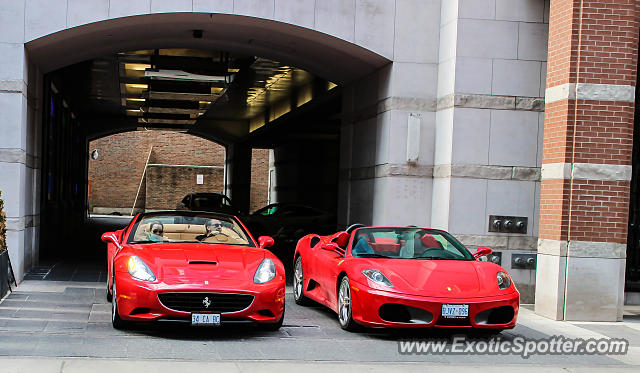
[(183, 232)]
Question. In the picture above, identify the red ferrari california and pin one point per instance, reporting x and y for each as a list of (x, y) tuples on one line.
[(202, 268), (405, 277)]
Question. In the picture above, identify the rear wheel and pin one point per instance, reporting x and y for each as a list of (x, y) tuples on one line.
[(298, 283), (116, 321), (345, 309)]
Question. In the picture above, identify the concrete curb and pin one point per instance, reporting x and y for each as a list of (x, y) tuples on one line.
[(72, 365)]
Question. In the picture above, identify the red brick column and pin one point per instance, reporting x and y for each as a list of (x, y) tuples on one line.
[(586, 166)]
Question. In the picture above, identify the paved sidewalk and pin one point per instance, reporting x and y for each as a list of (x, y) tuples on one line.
[(65, 326), (83, 365)]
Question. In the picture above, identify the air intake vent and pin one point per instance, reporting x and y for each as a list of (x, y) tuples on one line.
[(202, 262), (212, 302)]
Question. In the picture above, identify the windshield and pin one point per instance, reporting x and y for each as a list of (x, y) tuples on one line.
[(200, 227), (407, 243)]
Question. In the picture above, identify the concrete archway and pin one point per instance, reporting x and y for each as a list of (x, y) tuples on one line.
[(385, 55), (330, 57)]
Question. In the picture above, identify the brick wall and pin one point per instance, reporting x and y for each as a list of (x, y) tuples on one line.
[(259, 179), (166, 186), (590, 42), (116, 174)]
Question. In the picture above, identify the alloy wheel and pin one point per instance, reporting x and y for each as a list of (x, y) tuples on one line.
[(344, 303), (298, 279)]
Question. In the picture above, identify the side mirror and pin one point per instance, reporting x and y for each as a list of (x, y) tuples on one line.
[(482, 251), (109, 237), (265, 241), (332, 246)]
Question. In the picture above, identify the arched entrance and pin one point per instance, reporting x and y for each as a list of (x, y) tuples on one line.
[(59, 123)]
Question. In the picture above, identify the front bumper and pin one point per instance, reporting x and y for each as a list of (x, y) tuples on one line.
[(138, 301), (367, 311)]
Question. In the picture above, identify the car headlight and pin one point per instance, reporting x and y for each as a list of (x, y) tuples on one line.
[(139, 269), (266, 272), (504, 281), (377, 277)]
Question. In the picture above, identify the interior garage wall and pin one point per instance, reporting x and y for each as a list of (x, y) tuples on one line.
[(305, 172)]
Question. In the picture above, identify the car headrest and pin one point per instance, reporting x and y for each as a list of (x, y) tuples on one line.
[(429, 241), (342, 239)]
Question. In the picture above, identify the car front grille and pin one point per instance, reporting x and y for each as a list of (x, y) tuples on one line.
[(197, 302)]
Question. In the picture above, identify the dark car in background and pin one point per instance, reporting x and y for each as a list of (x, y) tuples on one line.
[(287, 222), (209, 202)]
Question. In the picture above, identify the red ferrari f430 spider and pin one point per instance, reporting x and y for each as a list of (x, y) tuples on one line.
[(405, 277), (202, 268)]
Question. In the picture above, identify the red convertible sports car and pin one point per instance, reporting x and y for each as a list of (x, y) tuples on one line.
[(403, 277), (204, 268)]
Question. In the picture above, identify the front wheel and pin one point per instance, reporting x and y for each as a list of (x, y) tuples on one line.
[(116, 321), (298, 284), (109, 296), (345, 309)]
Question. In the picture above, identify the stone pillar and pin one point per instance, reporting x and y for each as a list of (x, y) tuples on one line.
[(19, 148), (489, 119), (387, 137), (586, 166)]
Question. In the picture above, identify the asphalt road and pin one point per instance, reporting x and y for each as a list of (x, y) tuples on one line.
[(72, 319)]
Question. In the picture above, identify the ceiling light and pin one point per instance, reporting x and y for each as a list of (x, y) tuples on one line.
[(183, 75), (233, 70), (136, 99), (137, 86), (170, 110), (166, 121), (137, 66), (270, 84), (204, 102), (182, 96)]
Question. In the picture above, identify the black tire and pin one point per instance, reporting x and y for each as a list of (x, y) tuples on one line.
[(345, 309), (273, 326), (116, 321), (109, 296), (298, 283)]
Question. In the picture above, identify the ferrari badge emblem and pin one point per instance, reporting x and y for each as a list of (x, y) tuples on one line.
[(206, 302), (206, 282), (448, 288)]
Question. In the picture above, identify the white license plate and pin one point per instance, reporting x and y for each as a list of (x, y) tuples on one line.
[(455, 311), (211, 319)]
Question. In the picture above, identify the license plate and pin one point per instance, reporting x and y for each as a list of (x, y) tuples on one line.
[(211, 319), (455, 311)]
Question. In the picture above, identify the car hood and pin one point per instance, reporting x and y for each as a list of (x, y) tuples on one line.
[(194, 263), (436, 278)]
